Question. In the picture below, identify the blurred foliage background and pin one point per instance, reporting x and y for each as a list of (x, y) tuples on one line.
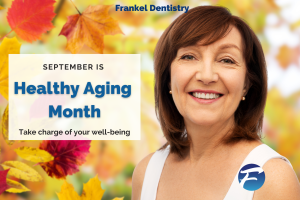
[(276, 23)]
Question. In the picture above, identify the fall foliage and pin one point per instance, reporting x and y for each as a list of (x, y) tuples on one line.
[(34, 154), (5, 127), (3, 184), (31, 18), (21, 170), (89, 28), (91, 190), (16, 187), (68, 155), (8, 46)]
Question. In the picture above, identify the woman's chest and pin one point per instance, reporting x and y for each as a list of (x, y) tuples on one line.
[(206, 182)]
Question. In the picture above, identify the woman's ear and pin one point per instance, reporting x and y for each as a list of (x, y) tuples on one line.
[(246, 86)]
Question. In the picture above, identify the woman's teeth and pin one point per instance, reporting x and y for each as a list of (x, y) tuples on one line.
[(206, 95)]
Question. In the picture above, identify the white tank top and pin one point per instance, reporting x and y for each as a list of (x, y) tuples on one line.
[(259, 155)]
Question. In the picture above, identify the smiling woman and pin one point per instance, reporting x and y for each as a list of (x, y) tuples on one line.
[(210, 94), (200, 72)]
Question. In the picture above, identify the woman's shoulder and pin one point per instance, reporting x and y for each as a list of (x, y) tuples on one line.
[(138, 177), (281, 181), (140, 170)]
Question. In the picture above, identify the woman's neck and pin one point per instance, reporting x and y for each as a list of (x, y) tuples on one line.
[(206, 141)]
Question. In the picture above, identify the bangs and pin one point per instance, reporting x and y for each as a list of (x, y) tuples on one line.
[(206, 30)]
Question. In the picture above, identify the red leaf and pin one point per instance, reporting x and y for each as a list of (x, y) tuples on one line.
[(3, 184), (68, 155), (31, 18)]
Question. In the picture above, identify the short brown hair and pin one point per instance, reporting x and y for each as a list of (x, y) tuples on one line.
[(210, 23)]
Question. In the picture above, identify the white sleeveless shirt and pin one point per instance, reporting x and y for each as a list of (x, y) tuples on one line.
[(259, 155)]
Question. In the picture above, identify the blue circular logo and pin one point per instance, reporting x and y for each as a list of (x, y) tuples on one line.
[(251, 177)]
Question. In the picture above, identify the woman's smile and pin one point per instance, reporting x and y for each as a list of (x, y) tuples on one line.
[(205, 96)]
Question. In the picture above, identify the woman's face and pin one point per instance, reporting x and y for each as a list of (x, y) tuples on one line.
[(208, 82)]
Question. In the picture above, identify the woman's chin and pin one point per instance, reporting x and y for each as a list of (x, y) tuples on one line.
[(205, 122), (208, 121)]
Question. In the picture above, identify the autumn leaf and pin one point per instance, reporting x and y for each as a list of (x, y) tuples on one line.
[(3, 183), (89, 28), (68, 192), (287, 56), (21, 170), (16, 187), (34, 154), (31, 18), (91, 190), (8, 46), (5, 126), (1, 8), (68, 155)]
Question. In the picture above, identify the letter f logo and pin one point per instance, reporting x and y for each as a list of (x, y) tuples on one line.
[(251, 177)]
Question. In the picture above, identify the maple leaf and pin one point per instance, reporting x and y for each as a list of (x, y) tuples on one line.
[(91, 190), (8, 46), (68, 155), (89, 28), (3, 184), (31, 18)]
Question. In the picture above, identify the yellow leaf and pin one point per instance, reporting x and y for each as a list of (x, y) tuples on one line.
[(92, 189), (8, 46), (34, 154), (21, 171), (16, 187), (5, 126), (117, 198), (67, 192), (1, 8)]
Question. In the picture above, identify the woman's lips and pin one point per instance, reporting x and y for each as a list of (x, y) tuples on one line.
[(205, 97)]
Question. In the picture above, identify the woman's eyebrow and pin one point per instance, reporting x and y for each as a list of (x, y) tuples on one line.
[(226, 46)]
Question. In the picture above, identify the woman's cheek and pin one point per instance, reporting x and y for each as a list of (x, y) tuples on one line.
[(233, 80), (176, 94), (179, 81)]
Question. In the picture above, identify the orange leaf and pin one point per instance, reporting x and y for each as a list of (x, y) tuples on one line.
[(287, 56), (31, 18), (89, 28)]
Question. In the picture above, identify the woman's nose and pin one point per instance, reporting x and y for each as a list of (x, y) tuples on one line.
[(206, 74)]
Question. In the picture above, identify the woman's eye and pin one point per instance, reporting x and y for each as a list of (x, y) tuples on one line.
[(188, 57), (227, 61)]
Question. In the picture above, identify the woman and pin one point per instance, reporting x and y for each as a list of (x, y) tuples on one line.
[(210, 92)]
